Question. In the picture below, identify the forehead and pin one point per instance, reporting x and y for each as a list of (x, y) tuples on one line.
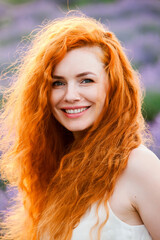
[(81, 59)]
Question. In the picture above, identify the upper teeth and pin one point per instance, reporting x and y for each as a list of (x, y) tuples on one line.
[(75, 110)]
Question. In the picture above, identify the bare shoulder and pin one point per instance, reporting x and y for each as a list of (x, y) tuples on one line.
[(143, 174), (143, 171), (142, 161)]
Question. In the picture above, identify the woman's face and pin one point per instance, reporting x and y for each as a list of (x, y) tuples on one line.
[(79, 88)]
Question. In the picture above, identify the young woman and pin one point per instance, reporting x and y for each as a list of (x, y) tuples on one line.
[(73, 141)]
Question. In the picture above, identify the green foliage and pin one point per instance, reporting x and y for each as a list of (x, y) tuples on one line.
[(2, 185), (75, 3), (149, 27), (9, 41), (151, 105), (18, 1), (4, 21)]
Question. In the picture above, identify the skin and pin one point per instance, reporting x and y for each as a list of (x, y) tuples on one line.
[(79, 87), (138, 192), (136, 197)]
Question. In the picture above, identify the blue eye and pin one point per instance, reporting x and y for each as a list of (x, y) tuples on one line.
[(87, 80), (57, 83)]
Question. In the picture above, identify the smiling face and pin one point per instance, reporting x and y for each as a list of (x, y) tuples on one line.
[(79, 88)]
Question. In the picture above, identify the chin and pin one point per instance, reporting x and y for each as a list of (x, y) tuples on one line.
[(78, 129)]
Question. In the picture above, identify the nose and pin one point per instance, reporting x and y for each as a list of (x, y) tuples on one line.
[(72, 93)]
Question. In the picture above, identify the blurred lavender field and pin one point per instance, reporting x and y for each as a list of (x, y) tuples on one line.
[(135, 22)]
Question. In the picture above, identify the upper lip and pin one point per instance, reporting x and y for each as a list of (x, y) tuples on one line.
[(74, 107)]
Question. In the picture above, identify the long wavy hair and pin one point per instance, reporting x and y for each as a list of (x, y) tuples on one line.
[(58, 177)]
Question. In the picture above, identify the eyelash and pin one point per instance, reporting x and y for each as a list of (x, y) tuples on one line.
[(88, 79), (59, 83)]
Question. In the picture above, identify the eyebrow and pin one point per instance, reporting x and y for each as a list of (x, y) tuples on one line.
[(78, 75)]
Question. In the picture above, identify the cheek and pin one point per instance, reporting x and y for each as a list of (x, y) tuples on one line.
[(100, 102), (52, 100), (55, 98), (97, 96), (91, 94)]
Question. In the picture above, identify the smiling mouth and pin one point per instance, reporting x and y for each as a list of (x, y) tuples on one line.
[(74, 111)]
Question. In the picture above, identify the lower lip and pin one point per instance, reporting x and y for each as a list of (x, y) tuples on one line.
[(75, 115)]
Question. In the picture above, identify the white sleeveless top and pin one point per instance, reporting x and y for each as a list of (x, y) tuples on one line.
[(114, 229)]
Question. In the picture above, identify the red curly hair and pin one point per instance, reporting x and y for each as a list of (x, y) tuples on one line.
[(42, 158)]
